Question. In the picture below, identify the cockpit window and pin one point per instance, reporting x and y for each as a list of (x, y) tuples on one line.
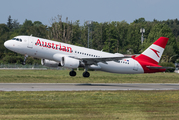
[(17, 39)]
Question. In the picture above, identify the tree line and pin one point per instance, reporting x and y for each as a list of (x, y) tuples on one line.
[(113, 37)]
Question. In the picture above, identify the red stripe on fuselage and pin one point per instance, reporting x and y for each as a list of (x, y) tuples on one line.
[(147, 61), (145, 58)]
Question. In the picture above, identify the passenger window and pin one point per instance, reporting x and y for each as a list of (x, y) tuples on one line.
[(20, 40)]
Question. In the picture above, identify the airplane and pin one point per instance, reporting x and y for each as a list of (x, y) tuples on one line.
[(54, 54)]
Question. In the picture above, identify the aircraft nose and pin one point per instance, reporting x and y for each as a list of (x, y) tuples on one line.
[(7, 44)]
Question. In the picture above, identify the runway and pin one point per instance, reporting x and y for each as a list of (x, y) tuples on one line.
[(86, 86)]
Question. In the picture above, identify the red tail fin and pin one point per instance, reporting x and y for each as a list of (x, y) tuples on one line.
[(153, 53)]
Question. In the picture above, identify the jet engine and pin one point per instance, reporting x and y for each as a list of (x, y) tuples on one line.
[(69, 62), (50, 63)]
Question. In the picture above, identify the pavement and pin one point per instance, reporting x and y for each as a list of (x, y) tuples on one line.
[(86, 86)]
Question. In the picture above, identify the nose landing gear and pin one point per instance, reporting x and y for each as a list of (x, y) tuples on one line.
[(24, 62)]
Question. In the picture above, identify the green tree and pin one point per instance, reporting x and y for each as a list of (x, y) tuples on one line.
[(27, 24), (4, 35), (97, 36), (162, 30), (122, 29), (37, 23), (134, 38), (9, 23), (15, 24), (168, 53), (140, 20)]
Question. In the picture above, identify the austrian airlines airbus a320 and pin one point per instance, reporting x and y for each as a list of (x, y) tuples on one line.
[(54, 54)]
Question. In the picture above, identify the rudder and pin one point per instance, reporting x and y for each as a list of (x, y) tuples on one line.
[(153, 53)]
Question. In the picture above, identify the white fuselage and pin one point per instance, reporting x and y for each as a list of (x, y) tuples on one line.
[(46, 49)]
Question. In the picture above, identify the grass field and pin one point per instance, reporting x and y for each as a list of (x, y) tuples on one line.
[(96, 105), (62, 76)]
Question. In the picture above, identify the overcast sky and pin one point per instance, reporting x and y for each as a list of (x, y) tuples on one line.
[(83, 10)]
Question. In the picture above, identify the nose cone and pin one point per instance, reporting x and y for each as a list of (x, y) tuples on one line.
[(6, 44), (12, 45)]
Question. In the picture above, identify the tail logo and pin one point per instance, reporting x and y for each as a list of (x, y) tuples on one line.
[(156, 52)]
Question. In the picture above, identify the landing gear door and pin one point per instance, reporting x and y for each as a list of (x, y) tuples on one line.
[(30, 42)]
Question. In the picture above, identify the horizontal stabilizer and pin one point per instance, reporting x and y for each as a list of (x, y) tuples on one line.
[(155, 67)]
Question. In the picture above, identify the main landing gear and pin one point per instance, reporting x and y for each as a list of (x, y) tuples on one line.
[(24, 62), (86, 73), (72, 73)]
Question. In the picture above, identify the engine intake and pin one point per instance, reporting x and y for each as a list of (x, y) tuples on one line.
[(50, 63), (70, 62)]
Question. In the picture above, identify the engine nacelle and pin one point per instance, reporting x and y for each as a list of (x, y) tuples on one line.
[(58, 57), (69, 62), (50, 63)]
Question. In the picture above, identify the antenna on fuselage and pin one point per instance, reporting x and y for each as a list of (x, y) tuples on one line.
[(31, 35)]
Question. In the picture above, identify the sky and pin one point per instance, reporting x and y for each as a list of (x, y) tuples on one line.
[(84, 10)]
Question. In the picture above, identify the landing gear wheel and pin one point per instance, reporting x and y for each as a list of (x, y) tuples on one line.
[(86, 74), (72, 73), (23, 63)]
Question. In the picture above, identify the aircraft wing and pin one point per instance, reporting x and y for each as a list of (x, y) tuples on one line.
[(90, 61)]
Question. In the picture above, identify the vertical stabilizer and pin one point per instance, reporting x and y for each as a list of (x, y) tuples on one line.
[(153, 53)]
